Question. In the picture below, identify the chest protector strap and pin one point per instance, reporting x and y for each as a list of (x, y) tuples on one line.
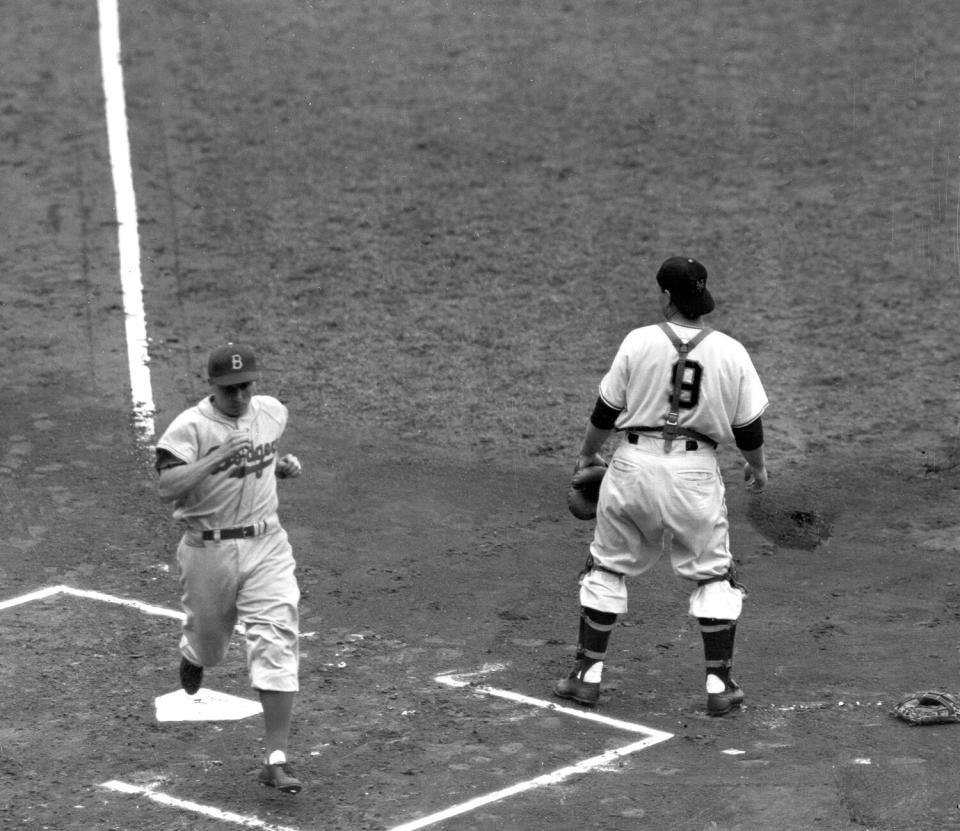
[(672, 428)]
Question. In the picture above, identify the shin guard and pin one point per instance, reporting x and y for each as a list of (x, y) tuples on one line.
[(718, 637), (595, 630)]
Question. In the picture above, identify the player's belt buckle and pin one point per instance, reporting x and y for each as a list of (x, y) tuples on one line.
[(243, 532)]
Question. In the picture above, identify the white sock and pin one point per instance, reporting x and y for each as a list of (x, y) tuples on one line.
[(278, 757), (715, 684), (592, 675)]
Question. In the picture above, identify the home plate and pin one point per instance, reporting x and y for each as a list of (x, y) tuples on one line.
[(205, 705)]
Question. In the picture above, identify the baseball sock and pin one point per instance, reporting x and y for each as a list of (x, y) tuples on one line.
[(718, 636), (594, 635)]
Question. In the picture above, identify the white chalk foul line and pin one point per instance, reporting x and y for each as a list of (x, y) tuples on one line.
[(195, 807), (128, 236)]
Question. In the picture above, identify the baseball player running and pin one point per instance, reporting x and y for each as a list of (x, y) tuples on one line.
[(675, 390), (218, 463)]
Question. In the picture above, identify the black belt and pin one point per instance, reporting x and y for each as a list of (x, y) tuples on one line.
[(235, 533), (694, 439), (692, 444)]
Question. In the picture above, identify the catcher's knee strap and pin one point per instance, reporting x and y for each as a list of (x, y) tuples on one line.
[(715, 624), (599, 620), (730, 576), (592, 565)]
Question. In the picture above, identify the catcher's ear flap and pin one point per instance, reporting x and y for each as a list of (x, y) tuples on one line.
[(584, 491)]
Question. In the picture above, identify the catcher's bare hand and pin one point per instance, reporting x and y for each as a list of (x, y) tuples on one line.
[(755, 477), (594, 460), (288, 466)]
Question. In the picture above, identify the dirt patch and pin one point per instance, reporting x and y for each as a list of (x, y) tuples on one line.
[(437, 223)]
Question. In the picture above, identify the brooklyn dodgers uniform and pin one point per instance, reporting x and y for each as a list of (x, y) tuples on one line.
[(249, 570)]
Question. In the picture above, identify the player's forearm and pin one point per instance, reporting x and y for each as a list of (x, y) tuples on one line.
[(177, 482), (755, 458), (593, 440), (755, 471), (749, 439), (602, 421)]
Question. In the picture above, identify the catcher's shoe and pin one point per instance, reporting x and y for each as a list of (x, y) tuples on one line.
[(576, 689), (280, 777), (721, 703), (191, 676)]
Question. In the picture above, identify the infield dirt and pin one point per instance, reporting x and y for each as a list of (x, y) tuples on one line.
[(436, 222)]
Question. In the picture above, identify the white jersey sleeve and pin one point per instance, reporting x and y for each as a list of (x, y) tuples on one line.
[(721, 388)]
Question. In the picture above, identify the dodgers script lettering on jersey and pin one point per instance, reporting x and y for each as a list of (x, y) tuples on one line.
[(721, 387), (245, 485), (246, 464)]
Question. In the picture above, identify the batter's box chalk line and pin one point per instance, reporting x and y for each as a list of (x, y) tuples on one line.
[(594, 763), (205, 705), (466, 680), (463, 680), (193, 807)]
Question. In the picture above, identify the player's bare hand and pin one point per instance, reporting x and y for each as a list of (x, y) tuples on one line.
[(238, 443), (288, 466), (755, 477)]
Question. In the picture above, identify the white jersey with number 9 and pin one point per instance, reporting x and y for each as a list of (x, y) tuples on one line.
[(721, 388)]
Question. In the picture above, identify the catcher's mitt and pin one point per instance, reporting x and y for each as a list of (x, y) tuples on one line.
[(931, 707), (584, 491)]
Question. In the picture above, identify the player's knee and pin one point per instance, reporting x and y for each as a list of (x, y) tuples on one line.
[(273, 657), (603, 591), (271, 640), (209, 653), (719, 600)]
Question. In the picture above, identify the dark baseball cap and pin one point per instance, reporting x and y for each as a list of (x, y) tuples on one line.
[(232, 363), (686, 280)]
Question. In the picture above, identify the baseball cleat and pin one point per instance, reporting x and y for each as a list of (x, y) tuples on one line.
[(719, 704), (576, 689), (191, 676), (280, 777)]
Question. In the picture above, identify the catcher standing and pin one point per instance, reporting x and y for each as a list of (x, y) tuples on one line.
[(675, 390), (218, 463)]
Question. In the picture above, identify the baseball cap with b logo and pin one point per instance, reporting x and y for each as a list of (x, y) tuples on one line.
[(231, 364), (686, 280)]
